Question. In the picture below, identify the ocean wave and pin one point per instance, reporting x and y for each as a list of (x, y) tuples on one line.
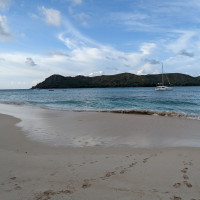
[(14, 103), (121, 111), (155, 113)]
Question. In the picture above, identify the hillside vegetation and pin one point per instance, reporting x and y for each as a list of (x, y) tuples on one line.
[(118, 80)]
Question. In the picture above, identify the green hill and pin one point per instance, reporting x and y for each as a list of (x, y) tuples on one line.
[(118, 80)]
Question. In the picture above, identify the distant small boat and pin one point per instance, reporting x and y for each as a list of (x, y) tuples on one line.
[(162, 87), (51, 90)]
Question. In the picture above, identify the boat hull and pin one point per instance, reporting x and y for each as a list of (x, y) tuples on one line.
[(163, 88)]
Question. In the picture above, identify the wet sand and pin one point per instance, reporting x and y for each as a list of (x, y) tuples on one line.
[(40, 171), (81, 129)]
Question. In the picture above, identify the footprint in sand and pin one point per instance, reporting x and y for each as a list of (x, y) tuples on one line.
[(185, 177), (93, 162), (184, 170), (123, 171), (17, 187), (195, 199), (13, 178), (175, 198), (53, 173), (132, 164), (46, 195), (86, 184), (110, 174), (189, 185), (187, 163), (145, 160), (177, 185), (69, 165)]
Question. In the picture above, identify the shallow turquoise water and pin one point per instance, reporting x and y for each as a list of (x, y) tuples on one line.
[(181, 99)]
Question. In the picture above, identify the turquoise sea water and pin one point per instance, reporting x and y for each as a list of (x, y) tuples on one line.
[(181, 100)]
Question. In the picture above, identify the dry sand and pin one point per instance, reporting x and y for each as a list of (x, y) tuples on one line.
[(31, 170)]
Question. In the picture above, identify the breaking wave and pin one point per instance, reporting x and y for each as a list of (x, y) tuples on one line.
[(119, 111), (155, 113), (131, 111), (14, 103)]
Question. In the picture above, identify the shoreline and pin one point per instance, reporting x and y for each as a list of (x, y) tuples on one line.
[(35, 171), (163, 113), (90, 129)]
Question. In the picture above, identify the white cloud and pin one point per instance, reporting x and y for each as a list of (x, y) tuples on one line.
[(147, 69), (131, 20), (92, 56), (72, 38), (14, 67), (182, 42), (30, 62), (146, 48), (131, 16), (82, 17), (79, 16), (51, 16), (70, 43), (34, 16), (58, 53), (4, 31), (159, 16), (135, 21), (4, 4), (186, 53), (77, 2), (87, 60), (98, 73), (112, 68), (87, 55), (152, 61)]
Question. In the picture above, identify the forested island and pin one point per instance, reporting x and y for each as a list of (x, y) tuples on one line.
[(118, 80)]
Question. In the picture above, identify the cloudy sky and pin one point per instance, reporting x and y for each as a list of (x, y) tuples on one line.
[(39, 38)]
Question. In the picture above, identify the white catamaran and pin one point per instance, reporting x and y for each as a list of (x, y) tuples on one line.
[(162, 87)]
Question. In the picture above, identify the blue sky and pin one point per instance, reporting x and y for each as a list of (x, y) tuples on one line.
[(39, 38)]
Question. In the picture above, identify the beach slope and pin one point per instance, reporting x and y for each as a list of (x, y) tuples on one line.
[(40, 171)]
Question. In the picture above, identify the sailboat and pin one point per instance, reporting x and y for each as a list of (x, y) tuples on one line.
[(162, 87)]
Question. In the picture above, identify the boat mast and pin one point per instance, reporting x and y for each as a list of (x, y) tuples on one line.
[(162, 76)]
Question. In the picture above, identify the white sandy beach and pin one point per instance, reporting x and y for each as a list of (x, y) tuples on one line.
[(33, 168)]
